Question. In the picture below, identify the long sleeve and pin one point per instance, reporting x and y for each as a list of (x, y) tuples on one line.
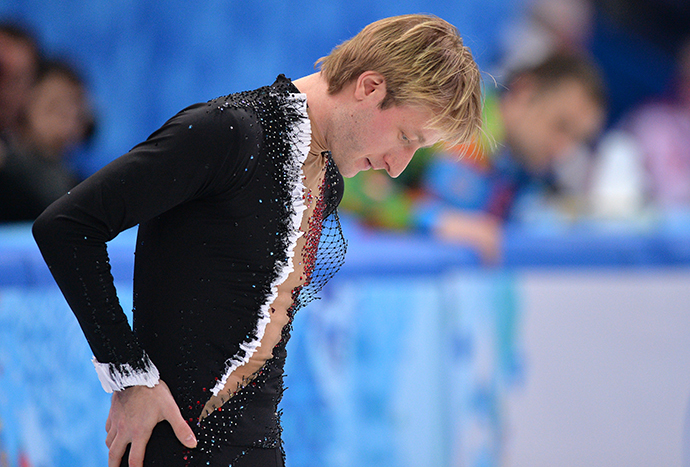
[(194, 155), (231, 221)]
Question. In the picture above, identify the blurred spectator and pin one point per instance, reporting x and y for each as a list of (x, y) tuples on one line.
[(19, 57), (57, 117), (634, 41), (544, 116), (652, 145)]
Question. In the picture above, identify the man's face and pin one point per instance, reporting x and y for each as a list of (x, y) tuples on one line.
[(363, 137), (543, 127), (57, 114), (17, 68)]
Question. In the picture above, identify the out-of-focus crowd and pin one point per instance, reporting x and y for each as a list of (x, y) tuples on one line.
[(561, 144), (580, 124), (45, 113)]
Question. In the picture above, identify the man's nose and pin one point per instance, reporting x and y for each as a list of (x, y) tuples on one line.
[(397, 161)]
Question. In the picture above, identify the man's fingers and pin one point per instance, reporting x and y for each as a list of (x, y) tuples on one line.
[(182, 430), (137, 452), (117, 450), (109, 439)]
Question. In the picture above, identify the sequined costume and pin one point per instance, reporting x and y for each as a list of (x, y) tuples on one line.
[(235, 201)]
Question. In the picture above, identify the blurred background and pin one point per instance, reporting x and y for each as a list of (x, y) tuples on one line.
[(519, 301)]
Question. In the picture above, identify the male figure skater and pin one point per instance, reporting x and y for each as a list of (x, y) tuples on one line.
[(235, 201)]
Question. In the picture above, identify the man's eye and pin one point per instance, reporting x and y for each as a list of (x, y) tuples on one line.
[(405, 138)]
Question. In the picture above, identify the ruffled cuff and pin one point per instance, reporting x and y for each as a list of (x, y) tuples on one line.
[(118, 376)]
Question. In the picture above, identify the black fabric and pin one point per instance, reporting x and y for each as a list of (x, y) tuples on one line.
[(210, 191), (164, 450)]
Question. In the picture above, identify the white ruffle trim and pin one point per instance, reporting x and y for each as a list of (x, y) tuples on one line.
[(300, 144), (116, 377)]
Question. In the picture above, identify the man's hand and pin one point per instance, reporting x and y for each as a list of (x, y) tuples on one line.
[(134, 412), (480, 231)]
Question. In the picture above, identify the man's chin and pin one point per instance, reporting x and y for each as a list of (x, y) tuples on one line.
[(349, 174)]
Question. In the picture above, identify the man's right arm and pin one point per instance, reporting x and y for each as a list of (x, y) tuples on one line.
[(186, 159)]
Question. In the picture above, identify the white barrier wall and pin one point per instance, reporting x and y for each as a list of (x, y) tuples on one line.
[(608, 369), (429, 366)]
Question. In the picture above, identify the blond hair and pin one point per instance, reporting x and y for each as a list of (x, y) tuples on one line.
[(424, 62)]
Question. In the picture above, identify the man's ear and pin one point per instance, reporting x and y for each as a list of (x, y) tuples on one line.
[(370, 85)]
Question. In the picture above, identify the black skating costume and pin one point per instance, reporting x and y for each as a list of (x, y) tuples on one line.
[(235, 201)]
